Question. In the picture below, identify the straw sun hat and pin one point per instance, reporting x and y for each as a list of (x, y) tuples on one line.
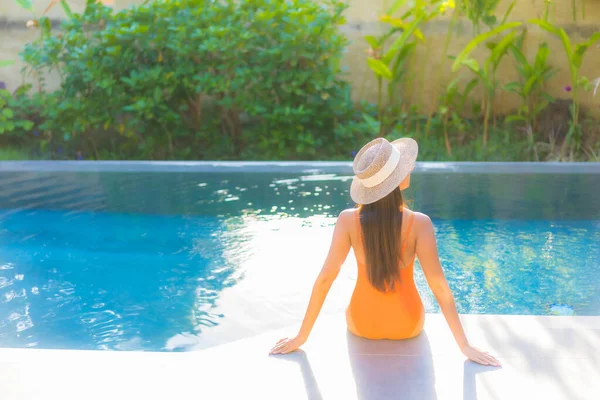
[(380, 167)]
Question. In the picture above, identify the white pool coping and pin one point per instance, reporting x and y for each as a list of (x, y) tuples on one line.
[(543, 358), (333, 167)]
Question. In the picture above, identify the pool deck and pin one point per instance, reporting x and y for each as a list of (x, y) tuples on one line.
[(543, 358)]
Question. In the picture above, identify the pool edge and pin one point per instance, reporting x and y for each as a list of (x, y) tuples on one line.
[(308, 167)]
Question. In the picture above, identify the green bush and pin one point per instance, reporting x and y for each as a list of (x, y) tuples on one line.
[(10, 121), (195, 79)]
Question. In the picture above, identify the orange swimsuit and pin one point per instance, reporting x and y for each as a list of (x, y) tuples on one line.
[(392, 315)]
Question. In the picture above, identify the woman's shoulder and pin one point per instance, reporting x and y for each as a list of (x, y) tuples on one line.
[(348, 217), (348, 214), (420, 220)]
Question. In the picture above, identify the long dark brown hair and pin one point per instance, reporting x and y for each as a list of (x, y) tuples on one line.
[(381, 224)]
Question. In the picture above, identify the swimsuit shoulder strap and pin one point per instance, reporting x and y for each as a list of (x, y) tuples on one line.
[(410, 223)]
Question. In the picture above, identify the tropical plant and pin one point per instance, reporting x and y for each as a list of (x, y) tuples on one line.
[(452, 104), (463, 5), (443, 7), (487, 73), (389, 64), (532, 82), (575, 54)]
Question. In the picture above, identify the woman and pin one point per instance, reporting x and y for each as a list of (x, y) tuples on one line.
[(386, 238)]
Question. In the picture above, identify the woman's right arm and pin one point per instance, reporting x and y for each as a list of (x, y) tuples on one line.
[(426, 249)]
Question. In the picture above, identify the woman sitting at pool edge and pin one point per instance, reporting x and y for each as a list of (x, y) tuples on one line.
[(386, 238)]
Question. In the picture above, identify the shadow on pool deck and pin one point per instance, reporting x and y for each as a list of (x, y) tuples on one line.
[(310, 382), (470, 371), (384, 369), (389, 369)]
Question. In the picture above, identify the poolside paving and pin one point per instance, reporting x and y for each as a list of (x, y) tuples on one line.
[(543, 358)]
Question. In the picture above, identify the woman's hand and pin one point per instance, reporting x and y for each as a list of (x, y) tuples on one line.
[(287, 345), (480, 357)]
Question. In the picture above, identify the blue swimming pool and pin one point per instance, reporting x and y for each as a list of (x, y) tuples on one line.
[(182, 260)]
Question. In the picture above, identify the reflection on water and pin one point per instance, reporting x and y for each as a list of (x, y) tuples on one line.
[(522, 267), (182, 261), (108, 281)]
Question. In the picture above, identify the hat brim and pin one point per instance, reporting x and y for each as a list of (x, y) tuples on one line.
[(409, 150)]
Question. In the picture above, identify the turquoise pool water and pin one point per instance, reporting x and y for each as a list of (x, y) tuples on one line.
[(170, 262)]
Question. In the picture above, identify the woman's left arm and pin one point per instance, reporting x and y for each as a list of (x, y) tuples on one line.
[(338, 251)]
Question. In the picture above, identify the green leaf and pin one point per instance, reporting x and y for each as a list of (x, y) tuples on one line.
[(545, 25), (400, 60), (581, 49), (480, 39), (452, 85), (157, 94), (380, 69), (26, 4), (514, 87), (542, 56), (370, 120), (507, 13), (401, 41), (472, 64), (395, 22), (527, 88), (6, 63), (67, 10), (419, 35), (500, 50), (468, 89), (489, 20), (470, 86), (549, 73), (46, 27), (518, 54), (562, 35), (397, 4), (388, 35), (566, 43), (372, 41), (8, 113)]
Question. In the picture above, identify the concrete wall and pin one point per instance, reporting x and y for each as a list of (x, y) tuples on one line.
[(362, 17)]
